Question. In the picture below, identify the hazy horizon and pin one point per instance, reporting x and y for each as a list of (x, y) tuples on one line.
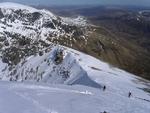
[(82, 2)]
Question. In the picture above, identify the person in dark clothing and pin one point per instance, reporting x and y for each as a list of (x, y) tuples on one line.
[(130, 94), (104, 88)]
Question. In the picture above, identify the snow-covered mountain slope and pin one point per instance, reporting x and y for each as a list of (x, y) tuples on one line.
[(83, 91), (21, 25), (55, 79), (27, 31), (58, 66)]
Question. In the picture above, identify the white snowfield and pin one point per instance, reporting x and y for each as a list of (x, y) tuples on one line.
[(80, 97)]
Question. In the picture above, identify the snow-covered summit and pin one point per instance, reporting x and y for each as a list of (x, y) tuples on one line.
[(21, 20)]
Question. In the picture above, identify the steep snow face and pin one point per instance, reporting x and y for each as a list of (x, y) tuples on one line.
[(72, 67), (116, 81), (53, 67)]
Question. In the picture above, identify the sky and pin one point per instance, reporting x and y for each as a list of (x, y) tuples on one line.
[(82, 2)]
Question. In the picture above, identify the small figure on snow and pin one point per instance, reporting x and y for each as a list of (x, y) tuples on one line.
[(130, 94), (104, 88)]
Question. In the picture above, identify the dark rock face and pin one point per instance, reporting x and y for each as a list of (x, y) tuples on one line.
[(1, 14), (35, 16), (22, 16), (49, 25), (2, 39)]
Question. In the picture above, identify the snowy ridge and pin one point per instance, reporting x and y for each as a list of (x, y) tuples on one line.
[(44, 69), (16, 6)]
